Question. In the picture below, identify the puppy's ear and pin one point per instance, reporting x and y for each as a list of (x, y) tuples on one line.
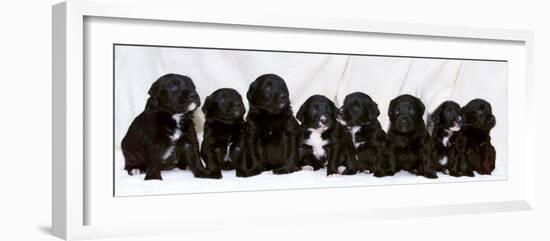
[(374, 112), (391, 107), (463, 113), (207, 104), (492, 119), (434, 117), (155, 89), (153, 92), (151, 104), (335, 110), (422, 107), (251, 91), (492, 122), (300, 114), (433, 120)]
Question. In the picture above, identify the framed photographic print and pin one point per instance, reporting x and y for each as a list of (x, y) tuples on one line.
[(264, 118)]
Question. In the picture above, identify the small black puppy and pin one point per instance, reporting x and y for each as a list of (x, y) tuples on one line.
[(359, 114), (163, 136), (272, 131), (223, 143), (444, 123), (409, 143), (472, 150), (323, 141)]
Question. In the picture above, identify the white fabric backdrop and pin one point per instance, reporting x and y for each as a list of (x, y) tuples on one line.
[(383, 78)]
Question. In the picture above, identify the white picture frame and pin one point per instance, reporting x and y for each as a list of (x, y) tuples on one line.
[(70, 211)]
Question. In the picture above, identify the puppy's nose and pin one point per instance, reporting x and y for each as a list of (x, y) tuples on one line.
[(323, 119), (405, 122), (193, 96)]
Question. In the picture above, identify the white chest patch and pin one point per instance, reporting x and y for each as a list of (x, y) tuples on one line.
[(168, 152), (177, 131), (443, 161), (227, 158), (449, 132), (316, 142), (445, 141), (353, 131), (176, 134)]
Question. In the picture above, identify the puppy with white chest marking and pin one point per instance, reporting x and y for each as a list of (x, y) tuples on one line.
[(223, 143), (471, 148), (163, 136), (443, 124), (323, 140), (359, 114)]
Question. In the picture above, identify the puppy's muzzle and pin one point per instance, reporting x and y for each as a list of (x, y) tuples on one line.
[(405, 122), (323, 123), (193, 100), (323, 120), (457, 124)]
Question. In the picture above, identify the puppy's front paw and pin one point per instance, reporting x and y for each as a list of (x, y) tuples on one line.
[(215, 175), (341, 170), (431, 175), (134, 171), (482, 172), (347, 171), (244, 174), (381, 174), (455, 174), (307, 168), (282, 170), (153, 177)]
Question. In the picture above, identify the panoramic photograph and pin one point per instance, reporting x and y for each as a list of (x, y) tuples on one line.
[(202, 120)]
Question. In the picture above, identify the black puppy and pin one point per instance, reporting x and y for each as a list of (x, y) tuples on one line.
[(223, 143), (163, 136), (472, 149), (444, 123), (322, 140), (359, 114), (409, 143), (272, 130)]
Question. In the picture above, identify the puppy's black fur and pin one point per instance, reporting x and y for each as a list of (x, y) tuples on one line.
[(322, 138), (472, 150), (359, 114), (163, 136), (410, 146), (223, 143), (444, 122), (272, 130)]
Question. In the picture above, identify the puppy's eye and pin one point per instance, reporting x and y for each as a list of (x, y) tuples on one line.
[(397, 112), (411, 111)]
